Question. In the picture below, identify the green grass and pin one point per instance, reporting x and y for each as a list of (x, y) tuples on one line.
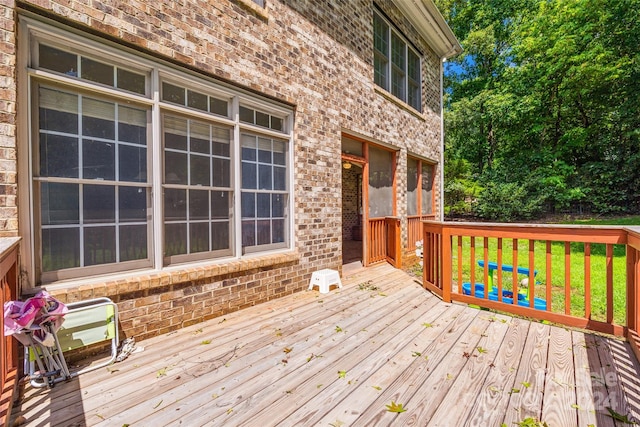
[(577, 273), (626, 220)]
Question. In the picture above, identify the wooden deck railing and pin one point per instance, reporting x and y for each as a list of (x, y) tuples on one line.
[(377, 242), (8, 345), (414, 229), (581, 276)]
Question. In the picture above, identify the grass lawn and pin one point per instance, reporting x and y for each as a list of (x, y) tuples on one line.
[(577, 273), (577, 270)]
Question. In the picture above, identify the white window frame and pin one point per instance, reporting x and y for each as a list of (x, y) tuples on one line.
[(34, 30), (389, 66)]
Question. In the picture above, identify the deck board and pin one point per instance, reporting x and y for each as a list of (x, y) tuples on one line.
[(493, 398), (395, 342)]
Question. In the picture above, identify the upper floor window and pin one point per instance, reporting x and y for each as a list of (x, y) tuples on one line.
[(122, 179), (396, 63)]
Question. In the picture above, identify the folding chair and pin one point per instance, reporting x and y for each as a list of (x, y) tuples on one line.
[(86, 323)]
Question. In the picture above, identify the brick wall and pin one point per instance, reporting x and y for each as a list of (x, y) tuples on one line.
[(8, 186), (314, 54)]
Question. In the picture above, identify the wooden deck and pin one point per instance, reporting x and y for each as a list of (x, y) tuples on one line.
[(339, 360)]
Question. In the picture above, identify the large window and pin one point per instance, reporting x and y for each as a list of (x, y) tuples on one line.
[(124, 179), (396, 63)]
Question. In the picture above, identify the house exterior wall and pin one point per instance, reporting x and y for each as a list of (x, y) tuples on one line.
[(311, 54)]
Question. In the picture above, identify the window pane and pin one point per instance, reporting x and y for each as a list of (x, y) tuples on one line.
[(380, 183), (175, 239), (248, 233), (58, 111), (246, 115), (132, 163), (249, 147), (59, 203), (58, 156), (220, 142), (262, 119), (220, 204), (199, 138), (221, 172), (278, 230), (264, 205), (99, 203), (277, 123), (200, 170), (197, 100), (130, 81), (220, 236), (413, 96), (99, 245), (279, 153), (172, 93), (132, 202), (98, 160), (218, 106), (380, 35), (249, 176), (175, 133), (133, 242), (198, 237), (98, 118), (132, 125), (380, 66), (175, 165), (279, 178), (413, 65), (60, 248), (97, 71), (198, 205), (248, 205), (277, 205), (351, 146), (264, 150), (57, 60), (265, 178), (263, 232), (175, 204), (412, 186), (397, 84), (398, 51)]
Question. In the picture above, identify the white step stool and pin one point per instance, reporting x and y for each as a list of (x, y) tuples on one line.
[(324, 279)]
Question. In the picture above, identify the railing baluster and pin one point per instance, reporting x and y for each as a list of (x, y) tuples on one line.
[(532, 278), (587, 280), (515, 274), (609, 283), (567, 277), (472, 265), (459, 264), (499, 268), (485, 257)]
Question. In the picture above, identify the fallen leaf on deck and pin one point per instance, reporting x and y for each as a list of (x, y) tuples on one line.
[(395, 407)]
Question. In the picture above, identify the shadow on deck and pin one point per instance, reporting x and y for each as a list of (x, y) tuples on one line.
[(341, 358)]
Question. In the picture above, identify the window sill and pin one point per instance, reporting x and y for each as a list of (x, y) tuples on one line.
[(260, 12), (96, 287), (399, 102)]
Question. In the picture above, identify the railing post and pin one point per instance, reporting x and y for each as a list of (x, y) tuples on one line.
[(447, 274), (9, 347)]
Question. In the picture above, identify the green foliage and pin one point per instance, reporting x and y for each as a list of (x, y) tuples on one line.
[(506, 203), (543, 101)]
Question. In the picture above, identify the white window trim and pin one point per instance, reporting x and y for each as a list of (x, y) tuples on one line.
[(156, 71), (389, 67)]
